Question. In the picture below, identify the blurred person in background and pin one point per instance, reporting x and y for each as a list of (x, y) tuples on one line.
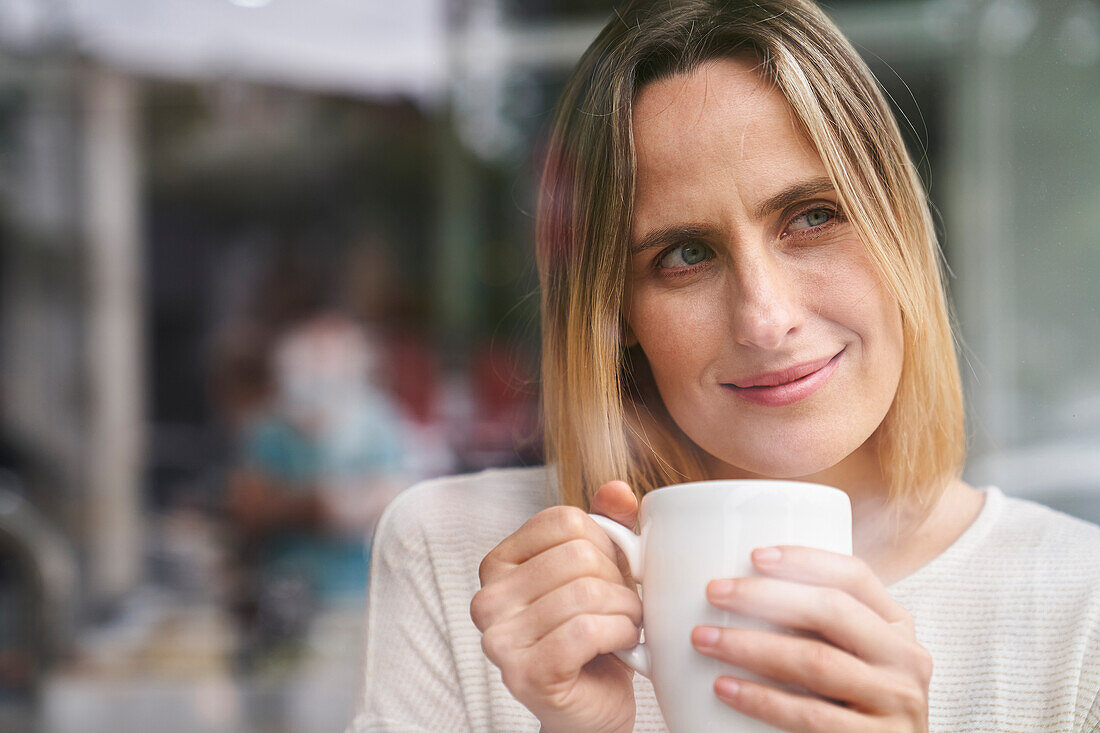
[(727, 195), (322, 448), (378, 295)]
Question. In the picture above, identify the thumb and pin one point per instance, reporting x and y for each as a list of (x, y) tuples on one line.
[(616, 501)]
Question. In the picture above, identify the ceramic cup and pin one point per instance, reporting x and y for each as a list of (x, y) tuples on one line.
[(691, 534)]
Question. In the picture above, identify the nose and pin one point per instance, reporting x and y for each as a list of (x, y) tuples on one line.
[(765, 306)]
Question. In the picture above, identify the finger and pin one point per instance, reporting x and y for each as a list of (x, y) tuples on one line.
[(830, 612), (524, 584), (788, 711), (548, 528), (820, 567), (581, 596), (559, 656), (616, 501), (815, 665)]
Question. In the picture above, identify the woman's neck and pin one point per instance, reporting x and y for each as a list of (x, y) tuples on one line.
[(897, 544)]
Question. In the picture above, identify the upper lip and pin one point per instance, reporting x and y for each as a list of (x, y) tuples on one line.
[(782, 376)]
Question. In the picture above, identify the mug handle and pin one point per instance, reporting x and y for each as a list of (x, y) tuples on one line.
[(631, 545)]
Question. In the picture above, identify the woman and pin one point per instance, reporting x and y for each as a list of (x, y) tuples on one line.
[(739, 280)]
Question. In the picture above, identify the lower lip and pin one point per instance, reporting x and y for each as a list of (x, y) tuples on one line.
[(789, 393)]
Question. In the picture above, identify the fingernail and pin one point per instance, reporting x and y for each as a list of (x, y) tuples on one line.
[(722, 587), (767, 555), (727, 687), (705, 636)]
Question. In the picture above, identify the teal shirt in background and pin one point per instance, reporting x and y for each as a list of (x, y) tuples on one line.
[(366, 441)]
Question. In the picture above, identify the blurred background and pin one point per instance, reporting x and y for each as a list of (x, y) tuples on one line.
[(265, 263)]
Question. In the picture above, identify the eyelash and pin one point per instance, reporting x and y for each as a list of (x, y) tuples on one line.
[(807, 233)]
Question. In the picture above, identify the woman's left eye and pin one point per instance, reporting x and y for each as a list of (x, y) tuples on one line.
[(811, 219)]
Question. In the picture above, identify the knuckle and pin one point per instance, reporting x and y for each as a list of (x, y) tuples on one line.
[(530, 677), (584, 557), (839, 602), (816, 660), (814, 718), (569, 520), (859, 571), (630, 631), (493, 644), (485, 568), (478, 609), (545, 672), (911, 700), (588, 592), (924, 664), (859, 576), (616, 627), (483, 606), (583, 628), (758, 701), (830, 603), (547, 683), (515, 679)]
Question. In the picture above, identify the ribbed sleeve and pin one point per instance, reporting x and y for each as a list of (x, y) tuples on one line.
[(410, 682)]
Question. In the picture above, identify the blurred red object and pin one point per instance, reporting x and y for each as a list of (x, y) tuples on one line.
[(414, 375), (505, 401)]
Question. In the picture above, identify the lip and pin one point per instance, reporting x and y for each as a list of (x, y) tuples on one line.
[(799, 383), (783, 376)]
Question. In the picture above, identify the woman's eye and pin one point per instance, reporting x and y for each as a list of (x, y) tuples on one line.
[(812, 218), (684, 255)]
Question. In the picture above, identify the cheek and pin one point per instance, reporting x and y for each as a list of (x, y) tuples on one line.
[(849, 292), (870, 314), (677, 333)]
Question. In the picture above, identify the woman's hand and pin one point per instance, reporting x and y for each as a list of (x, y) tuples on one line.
[(867, 663), (555, 600)]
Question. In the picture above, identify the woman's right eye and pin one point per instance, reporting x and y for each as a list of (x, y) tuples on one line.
[(683, 256)]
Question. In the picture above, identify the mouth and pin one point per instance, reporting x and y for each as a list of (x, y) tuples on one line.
[(788, 392)]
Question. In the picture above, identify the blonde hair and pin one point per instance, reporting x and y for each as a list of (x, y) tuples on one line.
[(602, 416)]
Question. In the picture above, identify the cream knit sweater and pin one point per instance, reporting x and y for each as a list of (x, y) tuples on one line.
[(1010, 613)]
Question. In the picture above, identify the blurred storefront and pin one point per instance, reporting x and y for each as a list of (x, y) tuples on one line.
[(264, 263)]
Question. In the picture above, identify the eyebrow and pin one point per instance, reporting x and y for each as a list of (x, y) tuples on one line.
[(673, 233), (790, 195)]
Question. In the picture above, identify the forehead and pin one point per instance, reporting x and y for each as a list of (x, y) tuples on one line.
[(721, 128)]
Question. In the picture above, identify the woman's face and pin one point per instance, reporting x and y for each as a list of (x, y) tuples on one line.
[(741, 265)]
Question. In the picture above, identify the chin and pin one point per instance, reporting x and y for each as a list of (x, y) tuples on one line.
[(782, 460), (787, 469)]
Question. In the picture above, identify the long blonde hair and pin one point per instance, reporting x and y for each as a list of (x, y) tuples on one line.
[(602, 416)]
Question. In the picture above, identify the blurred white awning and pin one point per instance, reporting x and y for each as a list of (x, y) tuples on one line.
[(361, 47)]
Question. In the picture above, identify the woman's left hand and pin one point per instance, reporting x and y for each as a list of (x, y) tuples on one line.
[(867, 662)]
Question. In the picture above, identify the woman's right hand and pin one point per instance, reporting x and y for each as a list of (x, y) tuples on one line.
[(556, 599)]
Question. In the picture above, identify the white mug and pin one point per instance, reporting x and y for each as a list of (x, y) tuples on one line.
[(691, 534)]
